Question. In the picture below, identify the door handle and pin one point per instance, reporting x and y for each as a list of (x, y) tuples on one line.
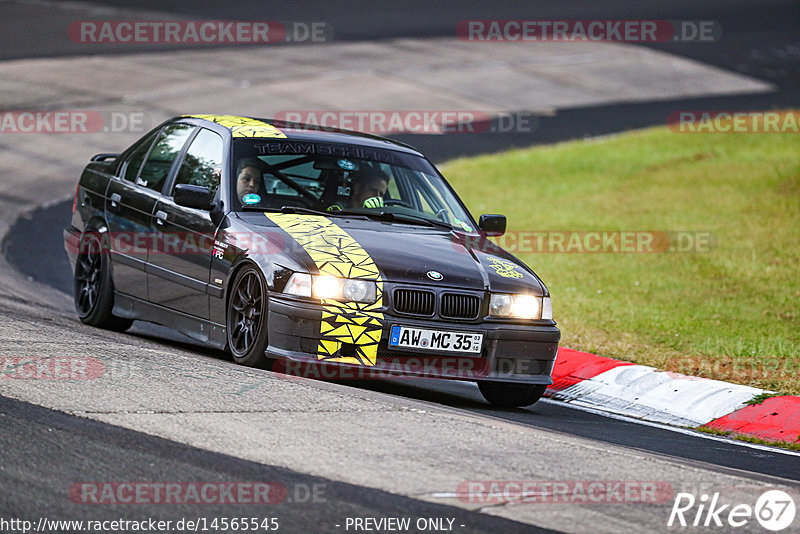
[(161, 216), (115, 197)]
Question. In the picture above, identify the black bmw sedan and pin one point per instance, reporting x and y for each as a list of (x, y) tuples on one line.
[(278, 242)]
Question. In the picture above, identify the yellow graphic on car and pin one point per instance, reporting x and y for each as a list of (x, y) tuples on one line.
[(336, 253), (505, 268), (244, 126)]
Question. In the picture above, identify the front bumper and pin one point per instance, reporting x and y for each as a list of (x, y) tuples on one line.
[(519, 353)]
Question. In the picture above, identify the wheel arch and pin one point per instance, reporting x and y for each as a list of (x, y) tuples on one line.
[(99, 225), (244, 262)]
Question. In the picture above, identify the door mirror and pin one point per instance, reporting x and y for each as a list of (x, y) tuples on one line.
[(193, 196), (492, 225)]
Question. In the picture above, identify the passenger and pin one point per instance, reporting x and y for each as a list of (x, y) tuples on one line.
[(249, 179)]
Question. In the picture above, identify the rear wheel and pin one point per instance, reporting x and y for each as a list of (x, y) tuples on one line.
[(247, 319), (510, 395), (94, 287)]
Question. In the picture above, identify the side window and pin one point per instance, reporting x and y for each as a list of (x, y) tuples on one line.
[(167, 147), (394, 191), (203, 162), (135, 159)]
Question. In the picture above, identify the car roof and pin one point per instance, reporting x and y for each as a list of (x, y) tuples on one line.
[(258, 128)]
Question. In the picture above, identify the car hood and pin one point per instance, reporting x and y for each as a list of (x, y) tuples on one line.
[(414, 254)]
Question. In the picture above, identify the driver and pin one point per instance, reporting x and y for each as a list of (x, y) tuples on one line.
[(367, 190), (248, 178)]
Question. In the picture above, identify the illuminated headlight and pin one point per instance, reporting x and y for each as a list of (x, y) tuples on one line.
[(327, 287), (520, 306), (331, 287)]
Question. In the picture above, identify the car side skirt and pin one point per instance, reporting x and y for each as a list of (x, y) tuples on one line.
[(201, 330)]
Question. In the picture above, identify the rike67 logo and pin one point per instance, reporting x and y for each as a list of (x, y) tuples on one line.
[(774, 510)]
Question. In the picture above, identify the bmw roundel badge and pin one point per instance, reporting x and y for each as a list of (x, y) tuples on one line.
[(435, 275)]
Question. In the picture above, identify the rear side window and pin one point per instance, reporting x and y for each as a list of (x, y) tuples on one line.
[(203, 162), (135, 159), (161, 157)]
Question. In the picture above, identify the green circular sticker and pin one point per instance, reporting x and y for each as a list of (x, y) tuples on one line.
[(251, 198), (346, 164)]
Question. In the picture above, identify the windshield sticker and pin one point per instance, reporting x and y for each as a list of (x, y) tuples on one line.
[(343, 151), (347, 165), (505, 268), (251, 198), (461, 224)]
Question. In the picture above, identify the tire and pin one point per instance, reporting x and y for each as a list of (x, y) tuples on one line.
[(247, 319), (93, 287), (510, 395)]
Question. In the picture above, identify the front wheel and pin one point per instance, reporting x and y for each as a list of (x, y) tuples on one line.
[(510, 395), (94, 287), (247, 319)]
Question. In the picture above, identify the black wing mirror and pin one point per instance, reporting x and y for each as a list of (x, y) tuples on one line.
[(194, 196), (492, 225)]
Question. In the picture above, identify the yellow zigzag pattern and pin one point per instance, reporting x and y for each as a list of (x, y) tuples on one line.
[(244, 126), (336, 253)]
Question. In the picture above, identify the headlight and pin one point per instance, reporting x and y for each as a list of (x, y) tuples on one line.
[(520, 306), (299, 284), (327, 287), (359, 290), (332, 287), (501, 305)]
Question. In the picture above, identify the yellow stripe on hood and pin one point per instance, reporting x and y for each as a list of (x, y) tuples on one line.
[(336, 253)]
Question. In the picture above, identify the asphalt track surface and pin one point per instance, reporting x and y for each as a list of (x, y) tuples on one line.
[(69, 448), (760, 41), (33, 239)]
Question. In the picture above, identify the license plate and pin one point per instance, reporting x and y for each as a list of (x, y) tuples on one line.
[(420, 338)]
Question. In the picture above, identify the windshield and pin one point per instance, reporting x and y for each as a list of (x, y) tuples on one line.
[(343, 179)]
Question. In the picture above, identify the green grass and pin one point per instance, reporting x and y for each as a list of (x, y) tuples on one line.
[(731, 313), (760, 398), (791, 445)]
